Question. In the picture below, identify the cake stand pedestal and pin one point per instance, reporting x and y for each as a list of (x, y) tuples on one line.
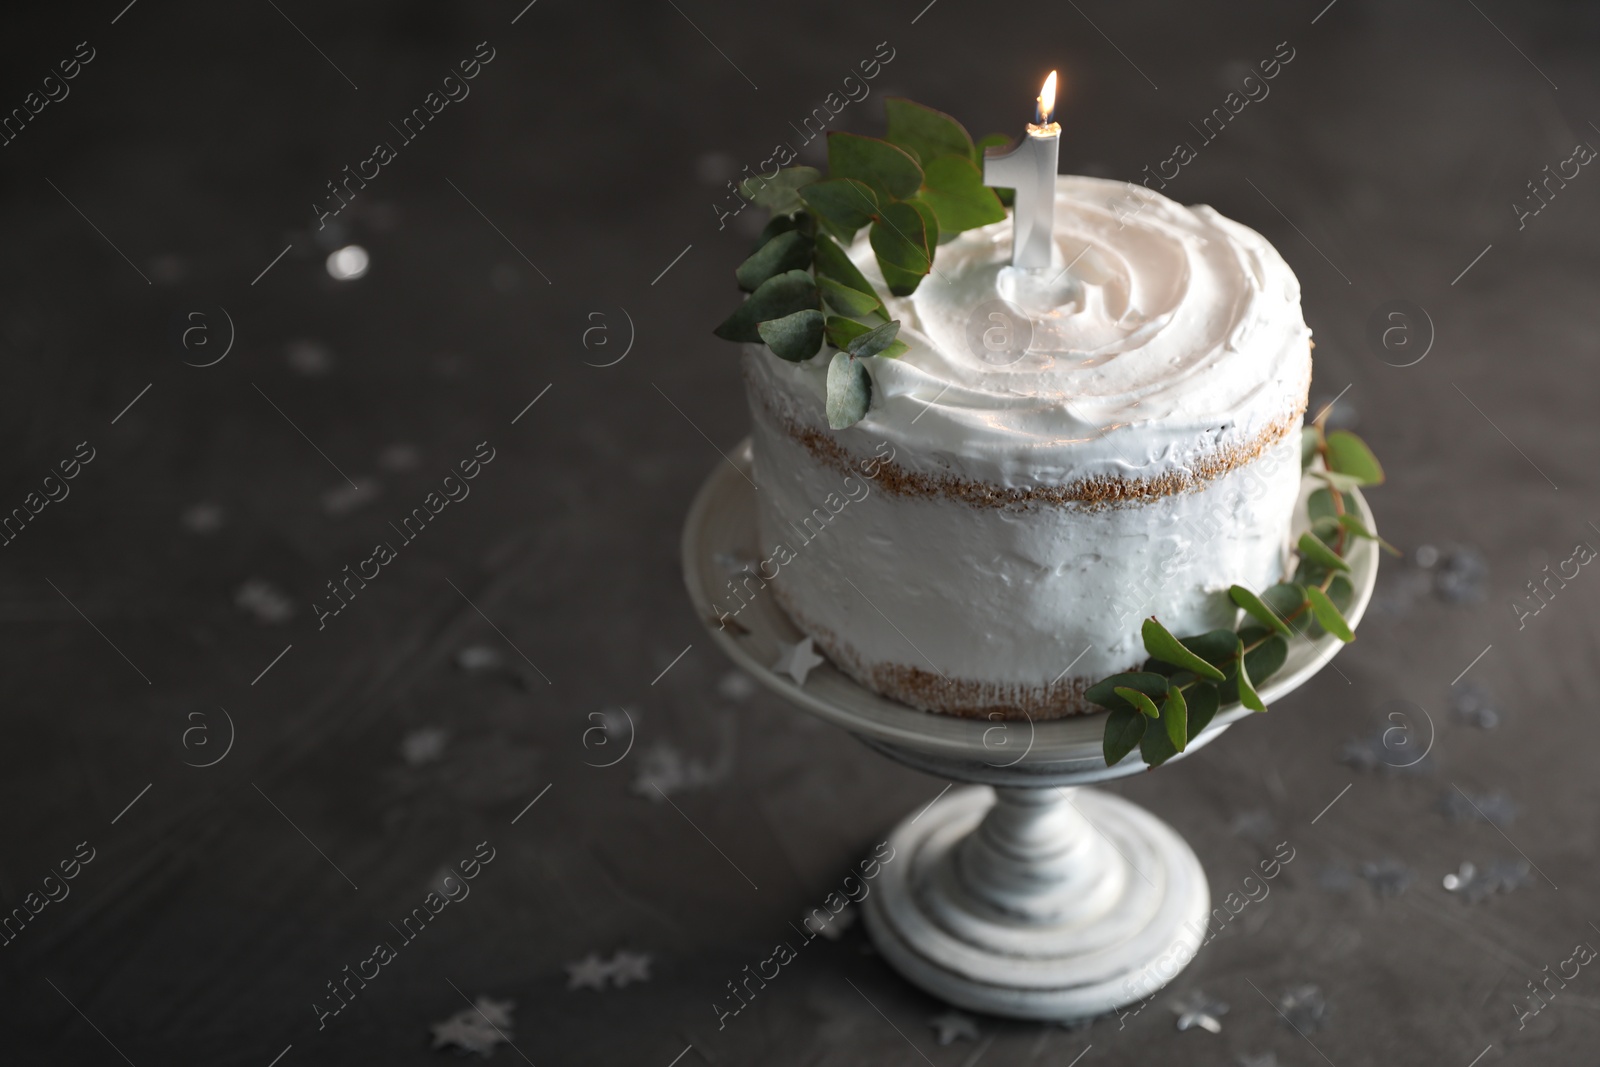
[(1024, 895)]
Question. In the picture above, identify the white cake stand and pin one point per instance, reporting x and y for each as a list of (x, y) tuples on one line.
[(1033, 899)]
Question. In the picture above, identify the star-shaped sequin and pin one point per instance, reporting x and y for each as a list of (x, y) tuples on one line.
[(591, 971), (1196, 1009), (797, 660), (629, 967), (952, 1025)]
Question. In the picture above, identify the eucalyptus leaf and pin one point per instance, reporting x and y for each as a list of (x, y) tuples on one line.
[(1175, 717), (1203, 700), (874, 340), (1328, 616), (841, 331), (1314, 549), (1124, 728), (1320, 505), (953, 187), (902, 242), (842, 205), (1247, 692), (1263, 661), (849, 391), (774, 298), (1348, 454), (781, 224), (777, 194), (1285, 598), (848, 301), (1310, 442), (794, 337), (1344, 482), (1104, 693), (833, 262), (925, 133), (785, 252), (1257, 608), (1160, 643), (1144, 704), (886, 168), (1155, 746)]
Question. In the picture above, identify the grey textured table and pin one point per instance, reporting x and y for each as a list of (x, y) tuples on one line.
[(176, 596)]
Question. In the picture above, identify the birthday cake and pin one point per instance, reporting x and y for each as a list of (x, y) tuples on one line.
[(1052, 457)]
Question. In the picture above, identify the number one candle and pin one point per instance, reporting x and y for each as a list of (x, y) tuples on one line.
[(1030, 170)]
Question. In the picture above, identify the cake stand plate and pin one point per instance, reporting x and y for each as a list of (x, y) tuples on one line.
[(1033, 899)]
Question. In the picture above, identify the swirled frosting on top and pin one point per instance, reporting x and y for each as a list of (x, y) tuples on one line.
[(1163, 336)]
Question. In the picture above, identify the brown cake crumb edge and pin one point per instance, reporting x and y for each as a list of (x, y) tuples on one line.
[(1093, 492)]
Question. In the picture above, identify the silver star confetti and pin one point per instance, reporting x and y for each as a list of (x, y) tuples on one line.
[(629, 967), (1494, 807), (1304, 1007), (1388, 878), (1196, 1009), (476, 1029), (952, 1025), (590, 972), (797, 660), (1472, 704), (1500, 876)]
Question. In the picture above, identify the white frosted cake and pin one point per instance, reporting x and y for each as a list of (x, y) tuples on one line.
[(990, 536)]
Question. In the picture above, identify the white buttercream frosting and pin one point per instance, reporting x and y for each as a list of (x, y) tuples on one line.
[(1163, 334)]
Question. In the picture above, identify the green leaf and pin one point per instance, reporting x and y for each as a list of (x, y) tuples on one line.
[(1104, 692), (842, 331), (774, 298), (849, 391), (832, 262), (1203, 702), (785, 252), (777, 194), (1313, 549), (1155, 746), (1175, 717), (953, 187), (874, 340), (1328, 615), (993, 140), (1344, 482), (1341, 592), (780, 224), (904, 246), (1310, 439), (1160, 643), (1247, 692), (1257, 609), (1320, 505), (842, 205), (1124, 728), (848, 301), (1263, 661), (889, 170), (1348, 454), (925, 133), (1146, 706), (1354, 524), (794, 337), (1285, 598)]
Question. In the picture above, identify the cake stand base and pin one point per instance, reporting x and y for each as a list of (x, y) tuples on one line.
[(1038, 903)]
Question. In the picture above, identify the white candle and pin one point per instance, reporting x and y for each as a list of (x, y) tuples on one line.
[(1030, 169)]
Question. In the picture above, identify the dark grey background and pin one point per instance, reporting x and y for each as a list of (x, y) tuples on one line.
[(1386, 159)]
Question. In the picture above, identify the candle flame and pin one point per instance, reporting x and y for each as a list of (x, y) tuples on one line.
[(1047, 99)]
